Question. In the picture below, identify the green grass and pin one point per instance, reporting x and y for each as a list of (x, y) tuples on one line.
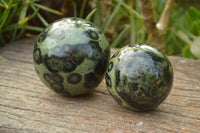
[(14, 19), (128, 24), (120, 21)]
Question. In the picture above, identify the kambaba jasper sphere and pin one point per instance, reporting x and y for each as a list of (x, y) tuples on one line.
[(139, 77), (70, 56)]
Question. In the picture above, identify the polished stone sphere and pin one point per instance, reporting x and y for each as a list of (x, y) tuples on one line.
[(70, 56), (139, 77)]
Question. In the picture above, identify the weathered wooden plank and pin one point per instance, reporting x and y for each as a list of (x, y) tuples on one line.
[(26, 105)]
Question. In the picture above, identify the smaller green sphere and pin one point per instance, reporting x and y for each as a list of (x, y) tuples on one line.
[(139, 77), (70, 56)]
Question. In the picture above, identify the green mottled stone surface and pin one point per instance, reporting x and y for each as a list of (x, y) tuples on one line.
[(139, 77), (70, 56)]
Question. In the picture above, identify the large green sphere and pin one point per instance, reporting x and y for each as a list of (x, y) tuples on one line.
[(70, 56), (139, 77)]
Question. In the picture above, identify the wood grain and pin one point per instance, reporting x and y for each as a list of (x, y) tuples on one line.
[(26, 105)]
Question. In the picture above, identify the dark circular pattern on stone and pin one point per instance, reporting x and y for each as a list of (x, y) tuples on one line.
[(108, 81), (90, 81), (117, 76), (110, 66), (74, 78), (89, 76), (42, 37), (56, 64), (55, 81), (142, 77), (95, 45), (116, 54), (57, 86), (53, 78), (97, 51), (96, 55), (37, 56), (92, 34)]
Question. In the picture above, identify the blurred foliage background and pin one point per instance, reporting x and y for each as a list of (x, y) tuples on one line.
[(120, 20)]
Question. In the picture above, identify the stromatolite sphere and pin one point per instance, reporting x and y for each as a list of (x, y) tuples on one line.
[(139, 77), (70, 56)]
